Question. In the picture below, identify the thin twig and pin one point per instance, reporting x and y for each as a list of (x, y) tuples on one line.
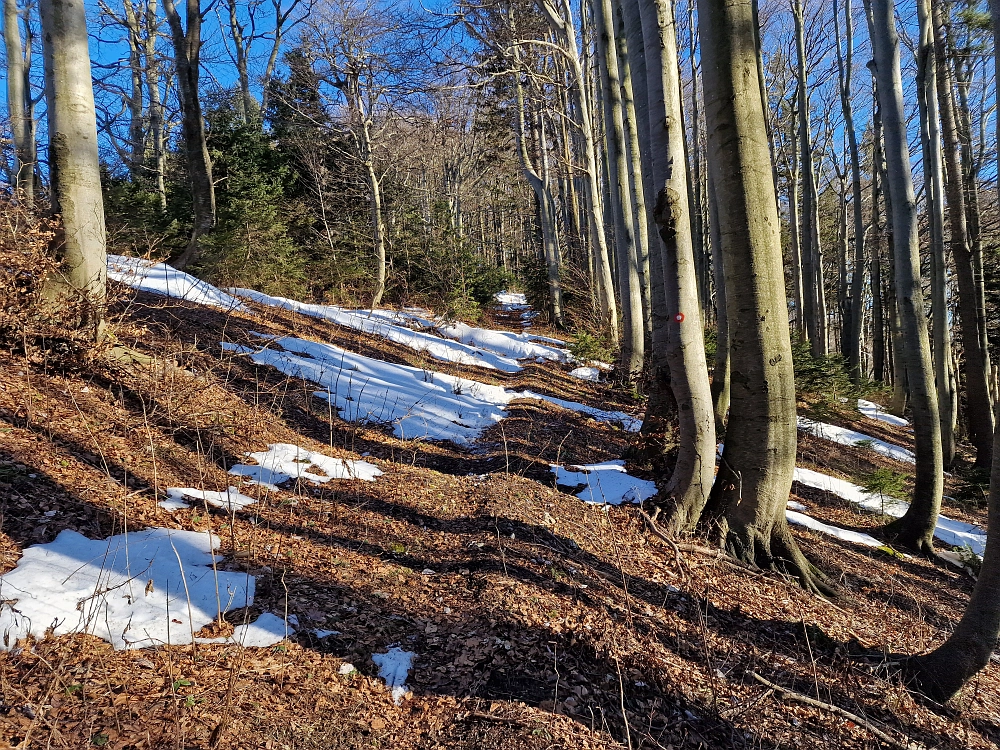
[(800, 698)]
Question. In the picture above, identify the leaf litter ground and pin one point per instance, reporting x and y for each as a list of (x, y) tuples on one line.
[(537, 621)]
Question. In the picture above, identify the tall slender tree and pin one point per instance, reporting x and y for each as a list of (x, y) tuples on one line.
[(916, 528), (20, 106)]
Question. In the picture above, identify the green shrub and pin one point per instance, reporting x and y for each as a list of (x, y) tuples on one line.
[(825, 375), (586, 346), (884, 482)]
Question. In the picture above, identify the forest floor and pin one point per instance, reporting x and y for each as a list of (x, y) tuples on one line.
[(536, 620)]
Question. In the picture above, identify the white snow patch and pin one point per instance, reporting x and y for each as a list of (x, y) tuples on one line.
[(266, 630), (506, 344), (159, 278), (844, 436), (949, 531), (606, 483), (390, 325), (846, 535), (512, 299), (232, 499), (592, 374), (418, 403), (284, 461), (394, 667), (875, 411), (796, 505), (228, 346), (144, 588)]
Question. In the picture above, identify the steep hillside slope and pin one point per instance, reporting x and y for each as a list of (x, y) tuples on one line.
[(412, 593)]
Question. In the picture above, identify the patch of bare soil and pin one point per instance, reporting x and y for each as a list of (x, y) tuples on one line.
[(537, 621)]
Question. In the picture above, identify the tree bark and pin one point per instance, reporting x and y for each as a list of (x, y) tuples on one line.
[(916, 528), (19, 105), (155, 107), (632, 349), (945, 670), (74, 165), (845, 65), (979, 410), (751, 490), (683, 346), (641, 210), (930, 137), (187, 56), (720, 375)]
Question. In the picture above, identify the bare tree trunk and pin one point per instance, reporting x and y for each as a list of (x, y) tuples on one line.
[(19, 104), (74, 166), (695, 190), (795, 233), (720, 376), (561, 22), (628, 272), (979, 411), (916, 528), (875, 270), (683, 352), (247, 103), (642, 221), (930, 133), (155, 107), (187, 56), (812, 261), (845, 64), (751, 490)]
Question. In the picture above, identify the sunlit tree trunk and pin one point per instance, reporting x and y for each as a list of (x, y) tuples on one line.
[(930, 133), (979, 410), (632, 344), (20, 108), (755, 476), (683, 353), (916, 528), (720, 376), (74, 166), (187, 60)]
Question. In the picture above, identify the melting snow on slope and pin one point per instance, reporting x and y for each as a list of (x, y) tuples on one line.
[(394, 667), (419, 404), (145, 588), (606, 484), (949, 531), (391, 325), (506, 344), (232, 500), (511, 300), (592, 374), (282, 462), (801, 519), (844, 436), (160, 278), (266, 630), (875, 411)]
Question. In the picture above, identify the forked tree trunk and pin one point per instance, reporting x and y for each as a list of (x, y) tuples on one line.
[(930, 138), (751, 490), (19, 105), (187, 56), (632, 343), (74, 166), (979, 410), (916, 528), (684, 344)]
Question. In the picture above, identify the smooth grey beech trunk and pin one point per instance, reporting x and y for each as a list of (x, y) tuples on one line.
[(845, 67), (560, 19), (74, 166), (155, 106), (945, 670), (187, 57), (632, 339), (979, 410), (751, 490), (642, 221), (812, 258), (916, 528), (683, 345), (930, 139), (720, 376), (20, 108)]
